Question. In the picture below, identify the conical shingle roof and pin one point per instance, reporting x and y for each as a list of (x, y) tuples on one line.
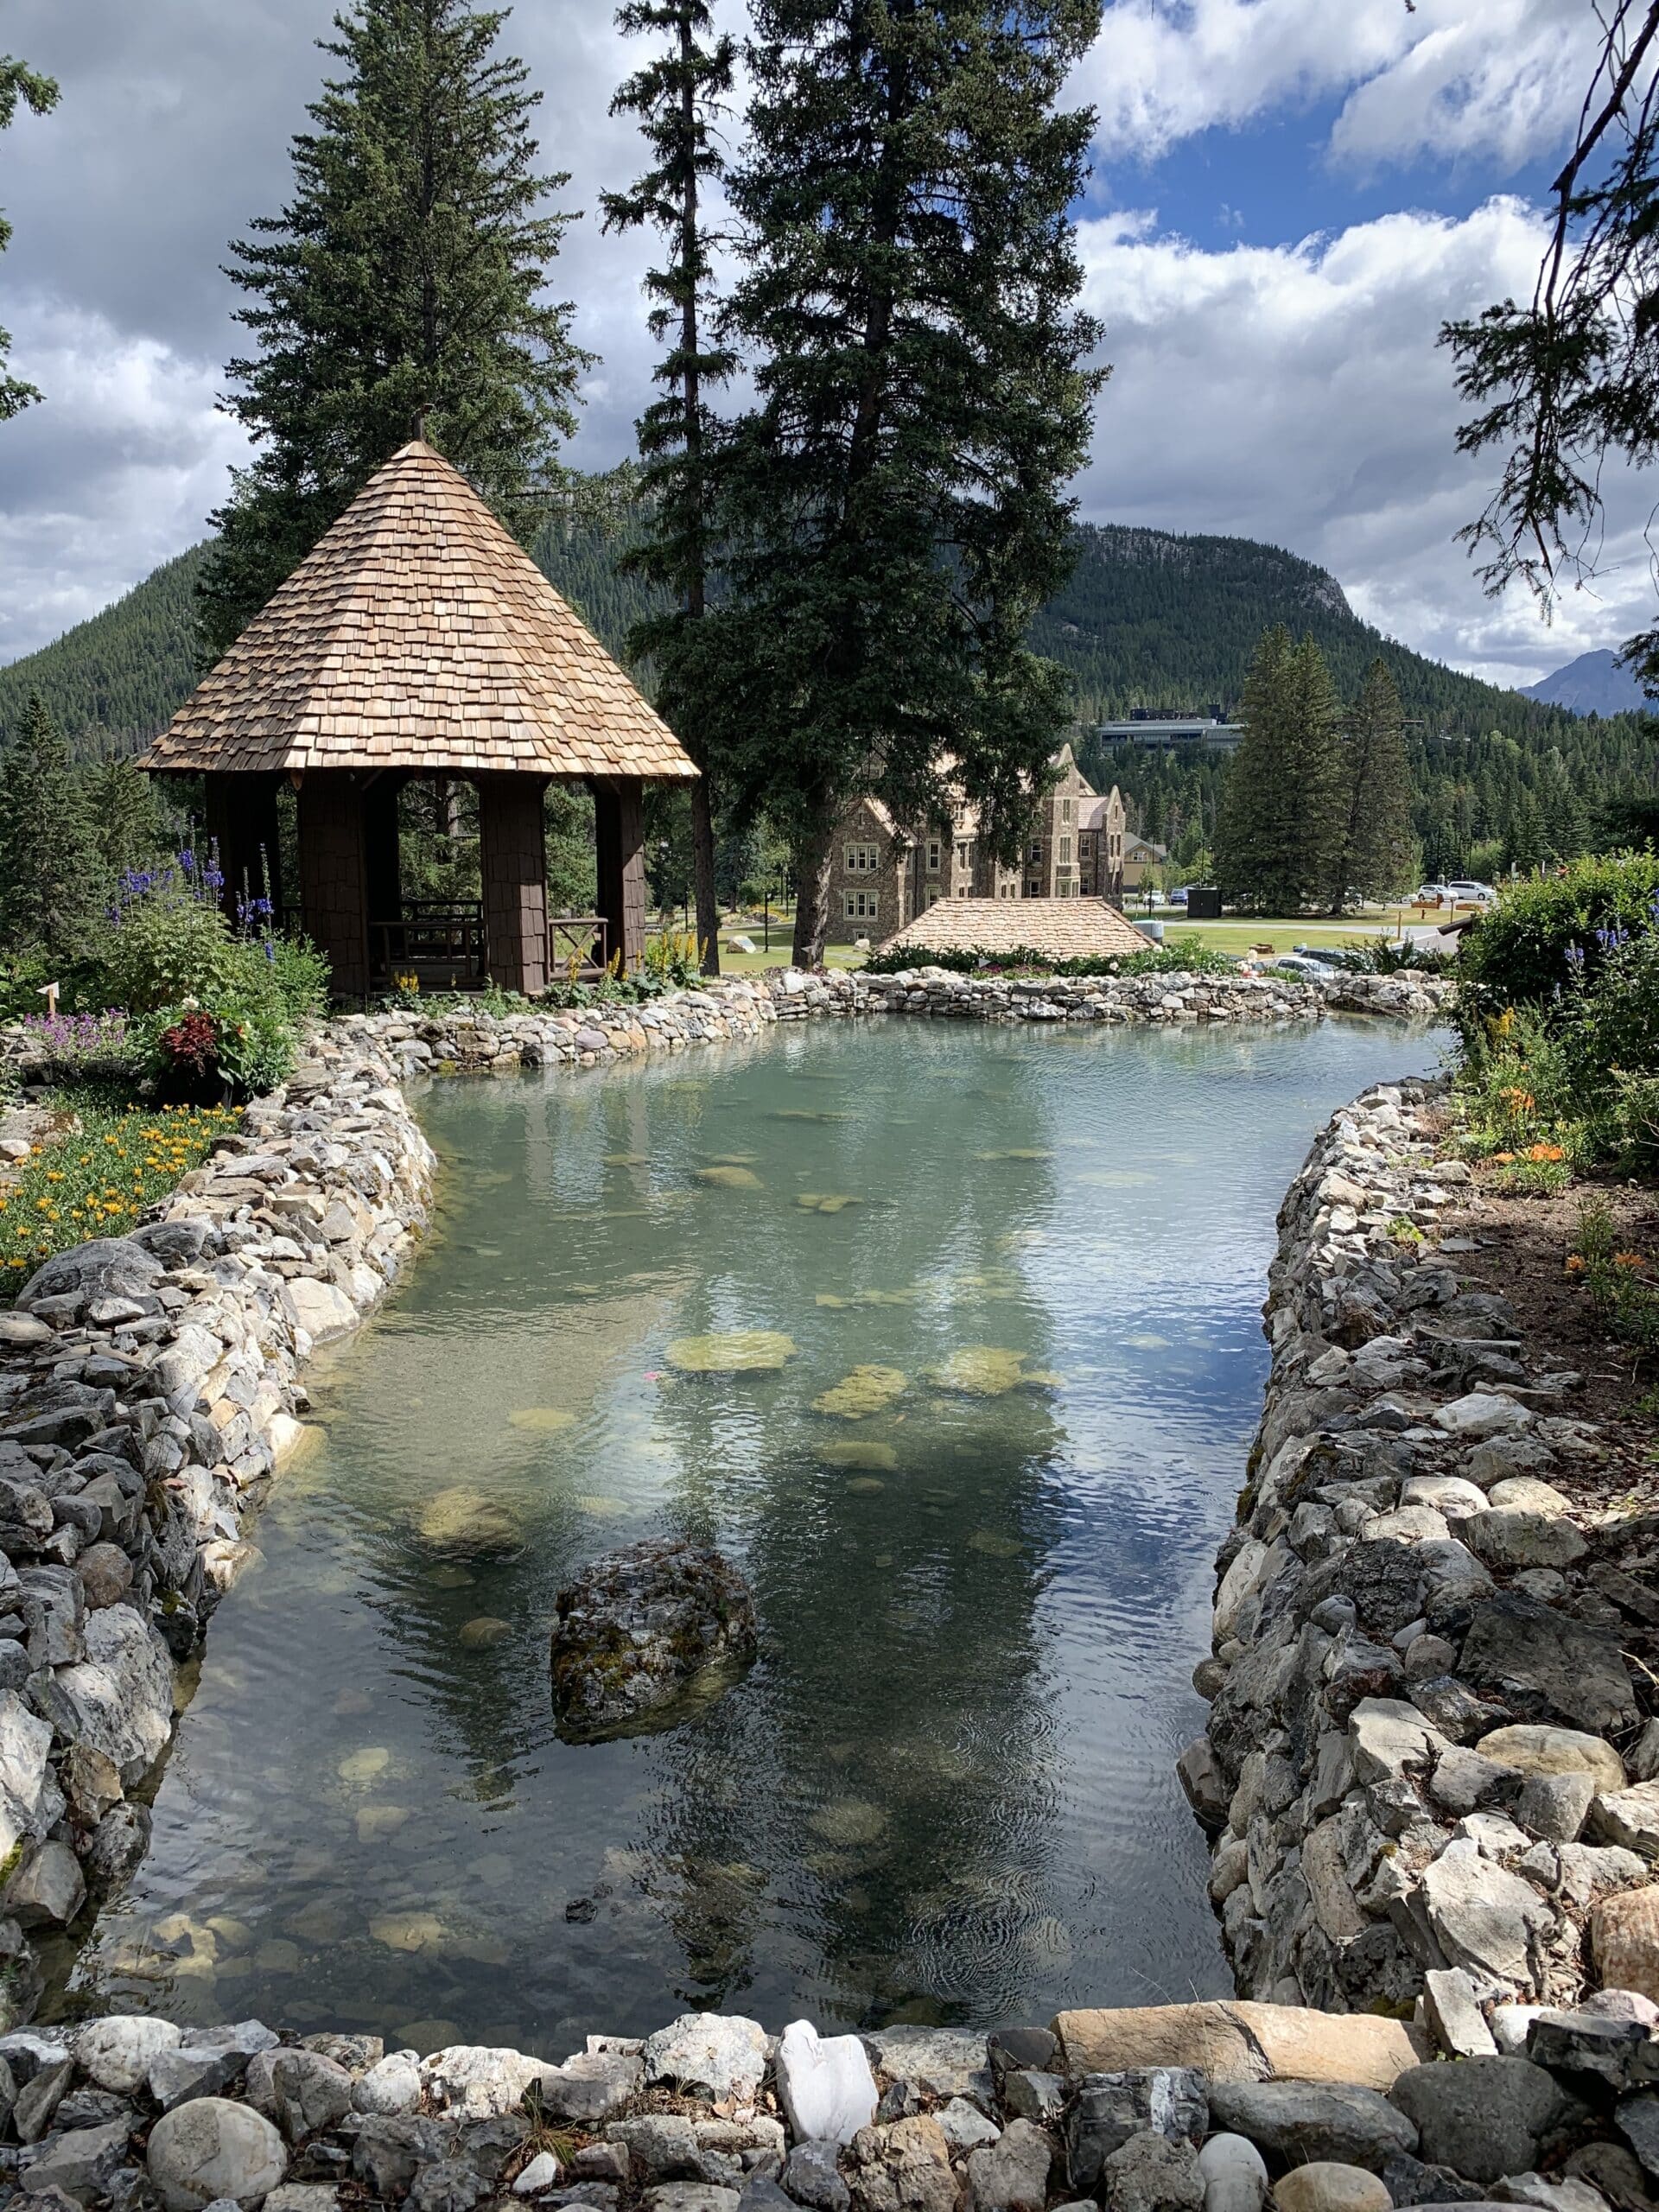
[(417, 634)]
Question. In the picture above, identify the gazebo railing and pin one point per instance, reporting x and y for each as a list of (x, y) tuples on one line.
[(445, 942), (431, 938), (583, 939)]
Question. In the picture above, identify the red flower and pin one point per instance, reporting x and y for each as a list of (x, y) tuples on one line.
[(192, 1043)]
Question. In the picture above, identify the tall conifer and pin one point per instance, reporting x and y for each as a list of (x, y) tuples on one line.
[(677, 97), (52, 880), (1376, 853), (403, 282), (38, 95), (1281, 820), (892, 508)]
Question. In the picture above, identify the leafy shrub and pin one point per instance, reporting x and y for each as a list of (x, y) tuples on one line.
[(98, 1179), (290, 968), (1383, 955), (1632, 1123), (225, 1038), (1518, 954), (1518, 1104), (1619, 1283), (169, 940)]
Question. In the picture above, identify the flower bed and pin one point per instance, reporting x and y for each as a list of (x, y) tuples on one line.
[(99, 1177)]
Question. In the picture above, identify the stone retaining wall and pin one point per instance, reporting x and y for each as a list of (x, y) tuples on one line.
[(1426, 1768), (148, 1386)]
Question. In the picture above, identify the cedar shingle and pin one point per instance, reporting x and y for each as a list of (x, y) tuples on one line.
[(417, 634)]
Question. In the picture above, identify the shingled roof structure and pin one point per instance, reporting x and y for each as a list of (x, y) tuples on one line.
[(1059, 928), (416, 634), (416, 639)]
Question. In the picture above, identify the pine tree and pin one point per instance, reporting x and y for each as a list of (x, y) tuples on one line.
[(121, 802), (1280, 823), (892, 508), (402, 284), (1376, 852), (51, 880), (39, 95), (676, 97)]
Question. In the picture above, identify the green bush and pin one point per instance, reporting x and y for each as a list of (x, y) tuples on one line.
[(196, 1047), (290, 968), (1632, 1124), (1518, 954), (168, 942)]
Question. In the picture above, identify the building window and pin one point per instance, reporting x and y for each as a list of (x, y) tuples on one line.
[(1034, 851), (858, 906), (863, 860), (1065, 852), (1032, 887), (1066, 806), (933, 854)]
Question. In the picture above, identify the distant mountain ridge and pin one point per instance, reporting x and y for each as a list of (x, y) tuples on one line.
[(1594, 684), (1147, 616)]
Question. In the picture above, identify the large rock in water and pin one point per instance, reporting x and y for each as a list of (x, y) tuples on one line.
[(638, 1627)]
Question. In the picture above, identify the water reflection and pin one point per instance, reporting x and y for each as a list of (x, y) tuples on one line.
[(1017, 1277)]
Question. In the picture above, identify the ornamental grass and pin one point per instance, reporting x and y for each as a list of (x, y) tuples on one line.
[(98, 1179)]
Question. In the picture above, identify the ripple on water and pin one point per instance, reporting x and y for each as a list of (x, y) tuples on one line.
[(946, 1789)]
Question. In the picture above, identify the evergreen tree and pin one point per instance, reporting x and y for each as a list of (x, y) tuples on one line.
[(1281, 820), (51, 881), (402, 285), (1376, 853), (39, 95), (892, 508), (121, 802), (677, 97)]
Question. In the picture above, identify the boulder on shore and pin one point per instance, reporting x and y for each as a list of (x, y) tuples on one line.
[(638, 1629)]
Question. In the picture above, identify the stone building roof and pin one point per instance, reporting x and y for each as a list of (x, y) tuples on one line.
[(417, 634), (1063, 929)]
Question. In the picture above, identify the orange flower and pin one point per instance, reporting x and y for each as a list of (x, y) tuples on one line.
[(1503, 1159), (1627, 1259), (1545, 1151), (1575, 1263)]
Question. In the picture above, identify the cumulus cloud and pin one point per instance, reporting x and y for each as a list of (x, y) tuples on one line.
[(1452, 78), (1295, 394), (1292, 393)]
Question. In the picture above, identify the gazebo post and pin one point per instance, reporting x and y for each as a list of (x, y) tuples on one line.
[(512, 864), (382, 880), (333, 885), (241, 821), (619, 842)]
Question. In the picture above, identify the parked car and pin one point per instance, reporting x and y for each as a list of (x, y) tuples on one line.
[(1468, 894), (1179, 898), (1304, 966), (1433, 895)]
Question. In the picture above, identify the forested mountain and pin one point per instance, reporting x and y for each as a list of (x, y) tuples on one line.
[(1148, 619), (112, 682)]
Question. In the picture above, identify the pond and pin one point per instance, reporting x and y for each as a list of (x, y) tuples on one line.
[(945, 1790)]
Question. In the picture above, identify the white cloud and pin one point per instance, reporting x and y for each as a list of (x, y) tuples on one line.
[(113, 474), (1295, 394), (1451, 79)]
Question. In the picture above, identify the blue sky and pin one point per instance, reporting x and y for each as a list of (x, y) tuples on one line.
[(1290, 196)]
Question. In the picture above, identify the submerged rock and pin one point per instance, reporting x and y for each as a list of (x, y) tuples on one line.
[(638, 1628), (465, 1524)]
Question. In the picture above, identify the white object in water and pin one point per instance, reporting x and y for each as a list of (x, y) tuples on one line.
[(825, 2084)]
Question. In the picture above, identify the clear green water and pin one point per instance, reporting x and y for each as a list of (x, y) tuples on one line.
[(946, 1790)]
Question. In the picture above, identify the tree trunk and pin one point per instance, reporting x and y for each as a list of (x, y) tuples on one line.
[(702, 861), (814, 854)]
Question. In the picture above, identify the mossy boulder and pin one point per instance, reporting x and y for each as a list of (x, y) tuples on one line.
[(642, 1634)]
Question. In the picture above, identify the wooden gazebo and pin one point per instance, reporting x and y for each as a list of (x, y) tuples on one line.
[(416, 638)]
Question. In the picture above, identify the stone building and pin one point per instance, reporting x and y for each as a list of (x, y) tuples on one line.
[(883, 873)]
